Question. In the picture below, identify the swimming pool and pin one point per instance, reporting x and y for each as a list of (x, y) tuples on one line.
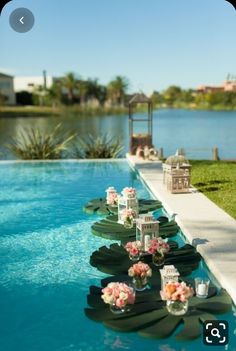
[(45, 245)]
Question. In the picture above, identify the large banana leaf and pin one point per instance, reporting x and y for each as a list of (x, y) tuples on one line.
[(150, 317), (115, 259), (100, 207), (108, 228)]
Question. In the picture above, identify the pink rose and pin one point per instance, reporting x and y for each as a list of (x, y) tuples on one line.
[(118, 293), (140, 269), (120, 303)]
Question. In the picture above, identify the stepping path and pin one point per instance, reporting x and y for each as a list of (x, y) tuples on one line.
[(203, 223)]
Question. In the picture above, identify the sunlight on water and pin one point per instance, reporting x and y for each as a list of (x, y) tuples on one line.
[(57, 256)]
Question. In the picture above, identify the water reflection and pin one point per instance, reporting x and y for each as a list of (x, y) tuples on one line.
[(115, 342), (197, 131)]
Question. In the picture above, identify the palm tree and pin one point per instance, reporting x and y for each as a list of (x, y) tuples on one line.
[(55, 93), (93, 87), (96, 90), (117, 89), (70, 83), (82, 86)]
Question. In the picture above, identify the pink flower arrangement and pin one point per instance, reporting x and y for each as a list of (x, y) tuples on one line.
[(112, 199), (140, 270), (128, 214), (134, 248), (129, 192), (118, 294), (158, 245), (176, 291)]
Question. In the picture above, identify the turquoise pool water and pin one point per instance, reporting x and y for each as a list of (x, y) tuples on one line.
[(45, 245)]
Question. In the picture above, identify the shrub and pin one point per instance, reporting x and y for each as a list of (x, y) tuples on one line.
[(99, 147), (33, 144)]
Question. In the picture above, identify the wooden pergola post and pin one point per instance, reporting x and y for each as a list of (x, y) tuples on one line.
[(143, 139)]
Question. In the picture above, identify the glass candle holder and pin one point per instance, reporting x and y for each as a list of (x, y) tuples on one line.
[(201, 287)]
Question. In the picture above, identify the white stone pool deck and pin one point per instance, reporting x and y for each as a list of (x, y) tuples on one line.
[(203, 223)]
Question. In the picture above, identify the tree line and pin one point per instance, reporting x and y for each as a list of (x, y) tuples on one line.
[(71, 89), (176, 97)]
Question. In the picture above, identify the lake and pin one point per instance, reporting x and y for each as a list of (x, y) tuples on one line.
[(195, 131)]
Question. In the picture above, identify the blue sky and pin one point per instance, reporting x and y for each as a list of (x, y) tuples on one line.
[(155, 43)]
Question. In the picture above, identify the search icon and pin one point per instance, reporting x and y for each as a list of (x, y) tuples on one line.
[(215, 332)]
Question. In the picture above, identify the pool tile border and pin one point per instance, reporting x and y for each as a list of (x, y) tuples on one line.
[(72, 160)]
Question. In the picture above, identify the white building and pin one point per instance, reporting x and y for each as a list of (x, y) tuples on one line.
[(30, 83), (7, 89)]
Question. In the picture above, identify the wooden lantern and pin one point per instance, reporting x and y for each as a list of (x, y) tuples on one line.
[(127, 201), (168, 273), (177, 174), (147, 228), (111, 195)]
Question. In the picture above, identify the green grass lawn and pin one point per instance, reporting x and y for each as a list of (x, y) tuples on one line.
[(217, 180)]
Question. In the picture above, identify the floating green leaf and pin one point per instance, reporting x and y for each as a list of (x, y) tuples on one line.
[(115, 259), (150, 317), (109, 228), (100, 206)]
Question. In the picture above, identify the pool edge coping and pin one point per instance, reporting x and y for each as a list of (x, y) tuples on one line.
[(158, 190), (69, 160)]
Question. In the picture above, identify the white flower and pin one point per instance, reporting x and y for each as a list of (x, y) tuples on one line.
[(123, 295), (108, 299)]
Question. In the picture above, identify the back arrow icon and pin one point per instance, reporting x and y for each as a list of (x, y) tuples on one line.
[(21, 20)]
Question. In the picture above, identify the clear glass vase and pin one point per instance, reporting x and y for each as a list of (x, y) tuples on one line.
[(118, 310), (140, 284), (128, 223), (135, 258), (177, 308), (158, 259)]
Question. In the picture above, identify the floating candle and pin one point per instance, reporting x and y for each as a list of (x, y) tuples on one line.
[(202, 286), (147, 239), (202, 289)]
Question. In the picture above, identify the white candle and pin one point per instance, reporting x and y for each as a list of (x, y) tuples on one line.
[(147, 239), (202, 289)]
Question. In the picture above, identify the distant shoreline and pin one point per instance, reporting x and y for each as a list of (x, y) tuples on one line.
[(192, 107), (43, 111)]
